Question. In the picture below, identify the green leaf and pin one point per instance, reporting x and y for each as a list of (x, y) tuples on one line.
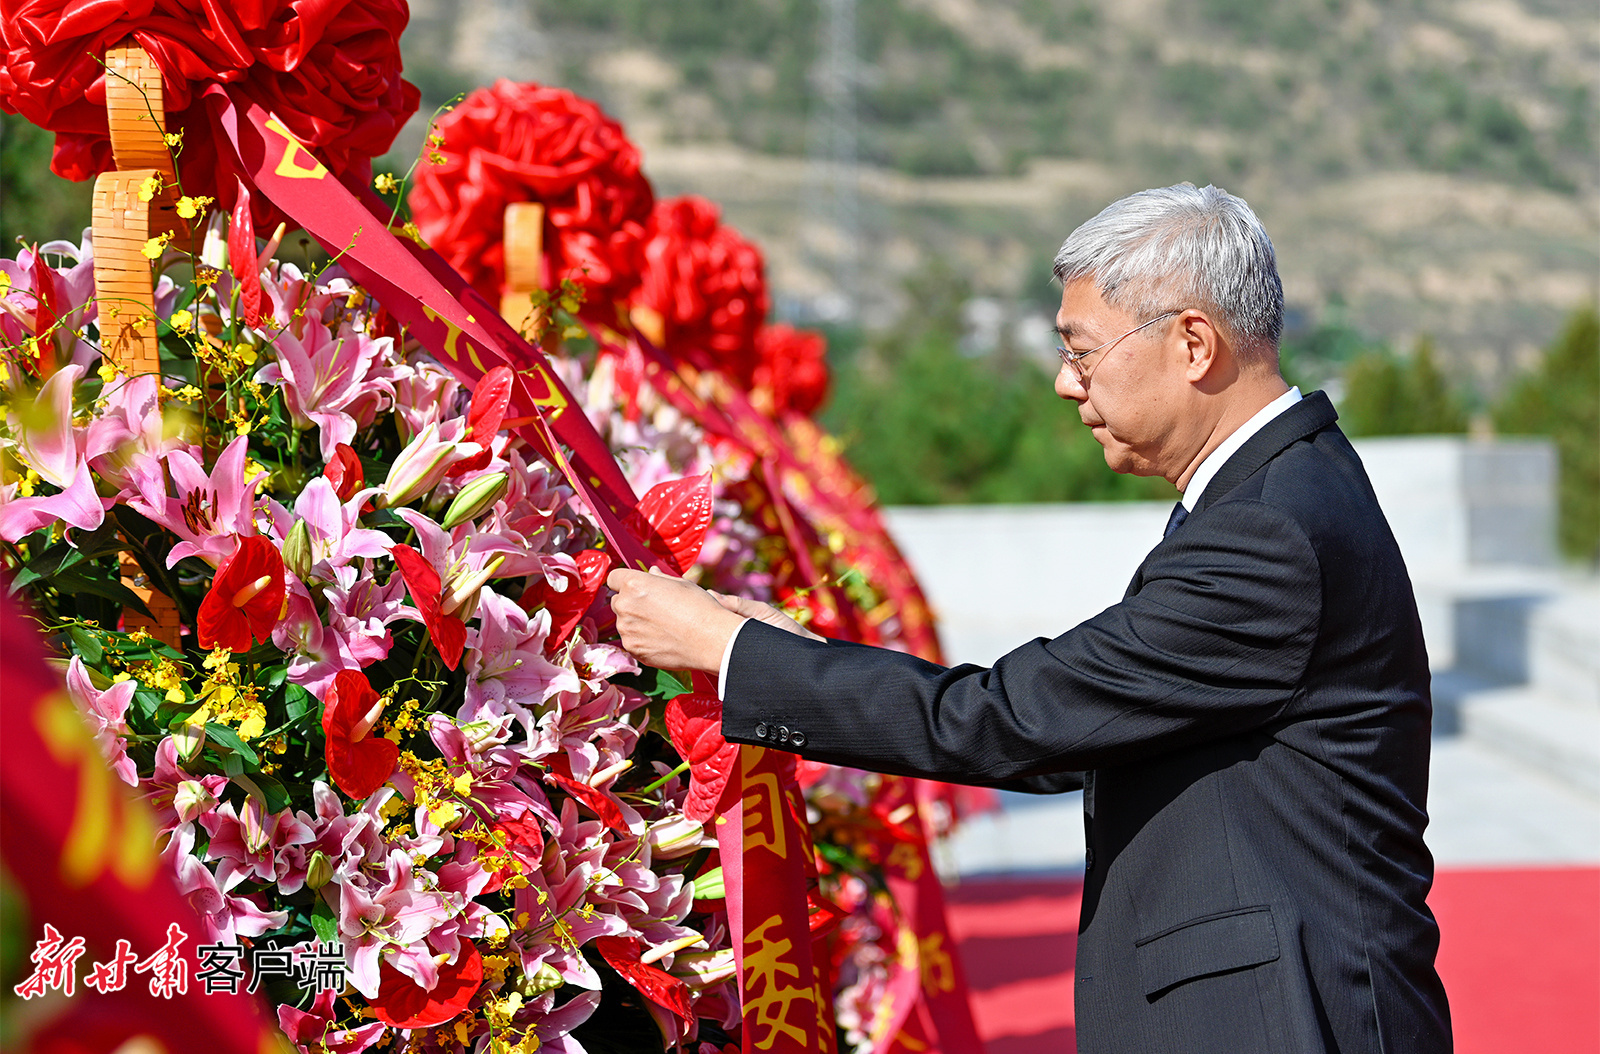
[(324, 923), (87, 644), (149, 700), (297, 702), (276, 794), (224, 736), (46, 565), (272, 677), (75, 581), (670, 684)]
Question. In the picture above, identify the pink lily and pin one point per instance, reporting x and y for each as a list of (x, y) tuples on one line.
[(346, 841), (334, 527), (52, 447), (224, 917), (506, 668), (105, 711), (463, 556), (324, 377), (319, 1028), (127, 442), (214, 510), (250, 842), (389, 918), (176, 797)]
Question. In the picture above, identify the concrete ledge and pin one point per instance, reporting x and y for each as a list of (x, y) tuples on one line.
[(1524, 724)]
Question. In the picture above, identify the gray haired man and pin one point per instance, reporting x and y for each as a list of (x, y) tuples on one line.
[(1250, 725)]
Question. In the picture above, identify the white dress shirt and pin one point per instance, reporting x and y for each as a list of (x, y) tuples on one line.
[(1219, 457)]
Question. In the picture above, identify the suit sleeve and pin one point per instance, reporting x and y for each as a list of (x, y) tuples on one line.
[(1214, 641)]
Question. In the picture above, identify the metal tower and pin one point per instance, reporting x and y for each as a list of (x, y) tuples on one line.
[(830, 211)]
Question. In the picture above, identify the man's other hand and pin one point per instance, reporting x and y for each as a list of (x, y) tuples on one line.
[(765, 612), (669, 623)]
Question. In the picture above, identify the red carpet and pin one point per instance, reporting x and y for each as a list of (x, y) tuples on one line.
[(1519, 954)]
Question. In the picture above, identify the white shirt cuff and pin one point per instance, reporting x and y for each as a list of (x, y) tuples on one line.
[(727, 653)]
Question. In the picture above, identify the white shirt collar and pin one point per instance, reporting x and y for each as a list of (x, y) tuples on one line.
[(1219, 457)]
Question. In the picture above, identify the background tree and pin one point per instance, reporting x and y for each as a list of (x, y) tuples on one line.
[(927, 424), (36, 205), (1561, 399), (1386, 395)]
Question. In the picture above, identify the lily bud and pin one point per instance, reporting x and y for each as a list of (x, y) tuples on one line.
[(189, 738), (214, 249), (419, 467), (297, 550), (703, 969), (191, 799), (675, 837), (709, 886), (474, 498), (251, 820), (319, 872), (545, 978)]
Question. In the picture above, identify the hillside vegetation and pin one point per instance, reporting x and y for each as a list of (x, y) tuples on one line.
[(1426, 167)]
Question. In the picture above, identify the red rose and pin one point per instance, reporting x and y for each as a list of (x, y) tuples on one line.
[(524, 142), (791, 371), (330, 71), (707, 283)]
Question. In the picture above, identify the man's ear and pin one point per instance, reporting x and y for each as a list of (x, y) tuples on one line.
[(1204, 347)]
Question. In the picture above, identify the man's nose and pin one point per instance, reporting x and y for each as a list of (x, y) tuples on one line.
[(1068, 386)]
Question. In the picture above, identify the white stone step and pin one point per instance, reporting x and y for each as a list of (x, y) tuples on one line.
[(1528, 725), (1564, 644)]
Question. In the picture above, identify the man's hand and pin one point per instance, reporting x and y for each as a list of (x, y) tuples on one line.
[(674, 625), (669, 623)]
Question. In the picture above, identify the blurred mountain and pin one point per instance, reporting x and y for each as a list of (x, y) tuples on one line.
[(1424, 166)]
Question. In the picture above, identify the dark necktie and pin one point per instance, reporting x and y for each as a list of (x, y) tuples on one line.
[(1179, 514)]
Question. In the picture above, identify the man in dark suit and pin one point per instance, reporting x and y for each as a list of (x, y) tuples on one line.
[(1250, 725)]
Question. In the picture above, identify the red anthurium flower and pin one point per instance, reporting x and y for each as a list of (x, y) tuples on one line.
[(449, 633), (658, 986), (695, 723), (358, 761), (487, 412), (567, 607), (403, 1003), (599, 802), (242, 257), (345, 472), (44, 314), (524, 841), (673, 519), (246, 598)]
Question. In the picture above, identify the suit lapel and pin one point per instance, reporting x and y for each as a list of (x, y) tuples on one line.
[(1311, 414)]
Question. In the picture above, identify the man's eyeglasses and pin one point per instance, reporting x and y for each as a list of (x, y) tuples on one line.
[(1075, 358)]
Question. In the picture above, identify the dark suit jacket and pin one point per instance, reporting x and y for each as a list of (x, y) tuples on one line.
[(1251, 726)]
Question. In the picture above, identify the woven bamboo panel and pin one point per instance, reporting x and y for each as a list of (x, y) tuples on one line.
[(524, 244), (136, 110), (124, 291), (124, 286)]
